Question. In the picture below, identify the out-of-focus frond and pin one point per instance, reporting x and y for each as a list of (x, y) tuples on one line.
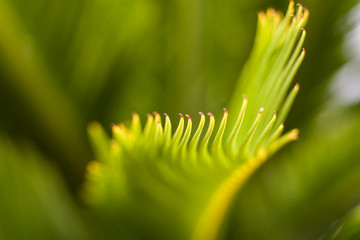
[(346, 228), (34, 202)]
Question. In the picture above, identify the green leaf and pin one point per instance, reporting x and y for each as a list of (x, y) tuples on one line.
[(346, 228), (35, 203), (191, 180)]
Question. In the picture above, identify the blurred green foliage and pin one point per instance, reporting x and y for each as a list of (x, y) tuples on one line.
[(66, 63), (34, 202), (347, 228)]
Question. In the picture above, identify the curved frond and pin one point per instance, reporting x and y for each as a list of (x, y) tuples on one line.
[(185, 182)]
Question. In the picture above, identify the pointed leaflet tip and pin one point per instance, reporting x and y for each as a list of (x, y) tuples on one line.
[(157, 116), (178, 134), (261, 16), (274, 113), (297, 86), (305, 17), (276, 143), (167, 132), (203, 148), (136, 124), (158, 122), (244, 100), (290, 9), (185, 139), (232, 145), (195, 140), (271, 12), (261, 110), (294, 134), (217, 148), (148, 125), (135, 116)]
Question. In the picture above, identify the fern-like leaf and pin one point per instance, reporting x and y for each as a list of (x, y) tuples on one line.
[(184, 183)]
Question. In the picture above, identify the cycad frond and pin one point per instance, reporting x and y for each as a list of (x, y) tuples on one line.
[(267, 75), (183, 182)]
